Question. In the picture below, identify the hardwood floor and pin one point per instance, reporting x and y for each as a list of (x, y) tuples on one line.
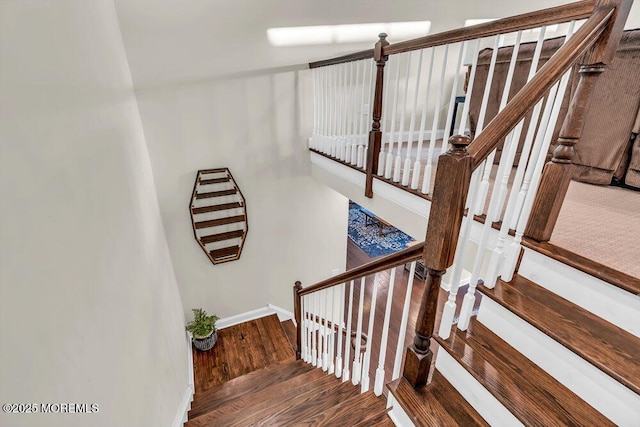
[(241, 349)]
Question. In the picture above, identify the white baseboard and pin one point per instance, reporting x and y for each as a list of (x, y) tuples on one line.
[(609, 302), (255, 314), (606, 395), (183, 409)]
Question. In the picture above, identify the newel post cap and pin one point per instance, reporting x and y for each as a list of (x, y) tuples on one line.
[(459, 143)]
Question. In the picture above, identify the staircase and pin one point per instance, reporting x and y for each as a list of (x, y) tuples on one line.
[(534, 358), (286, 392)]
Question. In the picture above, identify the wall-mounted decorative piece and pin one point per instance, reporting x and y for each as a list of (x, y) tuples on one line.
[(218, 215)]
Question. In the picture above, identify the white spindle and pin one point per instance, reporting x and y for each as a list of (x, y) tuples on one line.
[(403, 324), (426, 179), (488, 164), (452, 97), (349, 116), (417, 165), (325, 331), (302, 327), (389, 155), (358, 161), (384, 125), (407, 161), (355, 120), (379, 383), (347, 339), (336, 109), (472, 77), (314, 335), (340, 331), (357, 367), (364, 382), (344, 91), (310, 344), (369, 115), (331, 329), (509, 265), (401, 133)]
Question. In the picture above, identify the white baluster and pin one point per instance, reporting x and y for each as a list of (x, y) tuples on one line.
[(385, 123), (417, 165), (403, 324), (369, 116), (407, 161), (379, 383), (347, 339), (331, 330), (325, 331), (498, 252), (314, 335), (344, 110), (364, 382), (336, 109), (340, 331), (309, 355), (302, 328), (357, 367), (355, 121), (401, 134), (488, 164), (510, 262), (389, 156), (452, 97), (472, 77), (426, 179)]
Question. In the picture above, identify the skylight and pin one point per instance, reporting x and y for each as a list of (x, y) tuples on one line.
[(348, 33)]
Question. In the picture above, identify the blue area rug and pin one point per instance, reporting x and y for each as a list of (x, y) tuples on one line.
[(367, 238)]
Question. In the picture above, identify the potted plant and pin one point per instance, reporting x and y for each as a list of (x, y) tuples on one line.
[(203, 328)]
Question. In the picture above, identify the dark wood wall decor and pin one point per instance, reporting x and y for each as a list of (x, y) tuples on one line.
[(218, 215)]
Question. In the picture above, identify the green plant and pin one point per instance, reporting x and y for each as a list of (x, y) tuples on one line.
[(202, 325)]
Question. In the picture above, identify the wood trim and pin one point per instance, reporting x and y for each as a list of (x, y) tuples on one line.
[(320, 153), (553, 15), (550, 73), (363, 54), (412, 253), (586, 265)]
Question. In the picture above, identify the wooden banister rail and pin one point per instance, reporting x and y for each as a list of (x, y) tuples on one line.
[(454, 169), (550, 16), (363, 54), (402, 257)]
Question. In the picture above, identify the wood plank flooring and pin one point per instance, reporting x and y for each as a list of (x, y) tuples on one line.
[(241, 349)]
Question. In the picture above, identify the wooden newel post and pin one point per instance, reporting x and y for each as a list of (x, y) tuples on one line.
[(375, 136), (298, 315), (447, 210), (557, 174)]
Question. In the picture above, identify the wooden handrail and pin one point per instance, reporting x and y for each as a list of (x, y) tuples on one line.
[(548, 75), (407, 255), (363, 54), (554, 15)]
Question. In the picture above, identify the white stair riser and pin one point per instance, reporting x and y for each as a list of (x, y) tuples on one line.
[(479, 397), (613, 304), (612, 399)]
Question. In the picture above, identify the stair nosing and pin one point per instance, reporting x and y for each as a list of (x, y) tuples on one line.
[(553, 333)]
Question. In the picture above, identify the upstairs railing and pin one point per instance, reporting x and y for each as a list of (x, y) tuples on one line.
[(412, 114)]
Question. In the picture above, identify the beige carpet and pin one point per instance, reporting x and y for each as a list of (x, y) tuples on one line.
[(603, 224)]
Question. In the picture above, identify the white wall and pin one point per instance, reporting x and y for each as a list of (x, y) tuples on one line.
[(89, 307), (257, 127)]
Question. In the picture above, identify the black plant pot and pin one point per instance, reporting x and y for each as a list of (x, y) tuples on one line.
[(206, 343)]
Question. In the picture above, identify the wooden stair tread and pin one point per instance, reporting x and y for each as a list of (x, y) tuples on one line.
[(291, 332), (606, 346), (219, 221), (222, 236), (215, 180), (219, 193), (223, 252), (246, 384), (437, 404), (381, 420), (249, 408), (358, 409), (525, 389), (216, 208), (589, 266), (302, 405)]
